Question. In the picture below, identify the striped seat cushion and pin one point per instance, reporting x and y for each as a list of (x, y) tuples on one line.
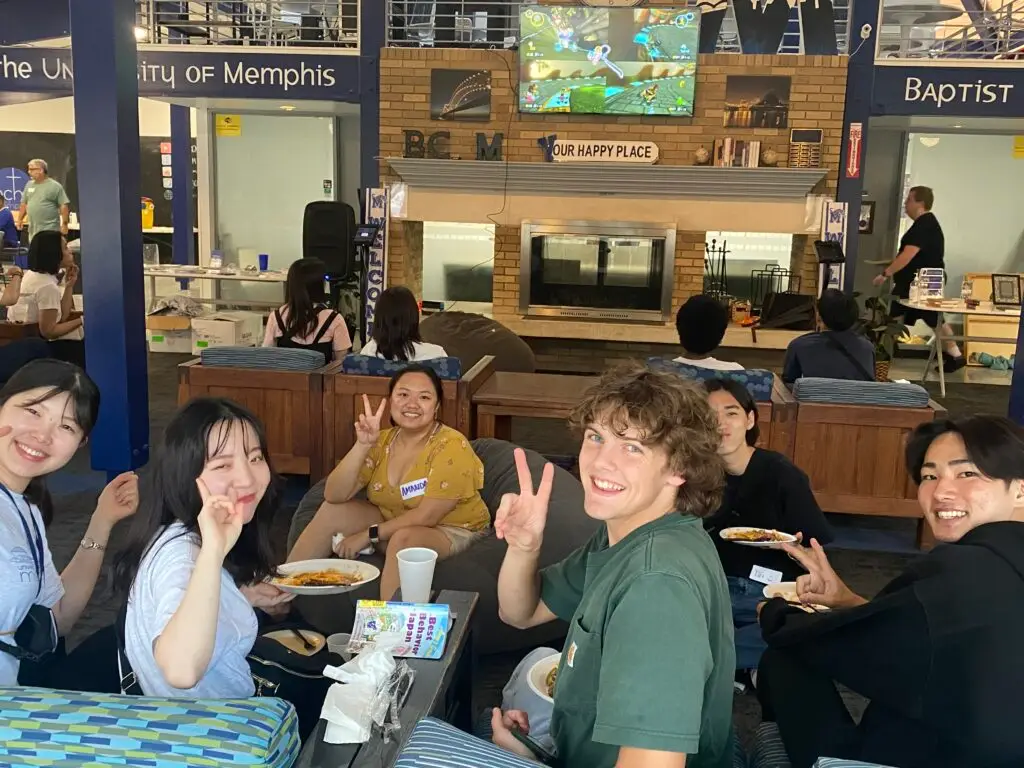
[(767, 751), (263, 358), (835, 762), (757, 380), (41, 727), (840, 391), (448, 368)]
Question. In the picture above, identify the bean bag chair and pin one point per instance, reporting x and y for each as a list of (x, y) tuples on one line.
[(469, 337)]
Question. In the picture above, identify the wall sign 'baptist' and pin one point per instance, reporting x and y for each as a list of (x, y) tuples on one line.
[(951, 91)]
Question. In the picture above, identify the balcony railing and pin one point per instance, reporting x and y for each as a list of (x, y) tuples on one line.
[(911, 31), (293, 23), (495, 23)]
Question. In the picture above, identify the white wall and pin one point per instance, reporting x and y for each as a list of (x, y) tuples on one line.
[(978, 186), (58, 116)]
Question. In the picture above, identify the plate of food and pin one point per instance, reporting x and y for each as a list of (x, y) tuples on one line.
[(787, 591), (543, 676), (766, 538), (324, 577)]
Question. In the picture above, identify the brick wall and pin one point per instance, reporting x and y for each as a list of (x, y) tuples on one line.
[(817, 96)]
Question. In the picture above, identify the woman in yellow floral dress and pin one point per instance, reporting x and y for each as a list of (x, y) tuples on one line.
[(422, 483)]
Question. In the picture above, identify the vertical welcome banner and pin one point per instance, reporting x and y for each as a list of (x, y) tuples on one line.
[(833, 229), (376, 267)]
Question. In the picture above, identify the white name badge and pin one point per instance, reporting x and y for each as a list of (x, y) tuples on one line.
[(413, 489), (765, 575)]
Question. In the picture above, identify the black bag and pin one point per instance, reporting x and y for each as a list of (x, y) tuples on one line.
[(857, 364), (36, 637)]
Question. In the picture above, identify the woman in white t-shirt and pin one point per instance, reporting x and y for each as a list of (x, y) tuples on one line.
[(305, 321), (396, 329), (47, 410)]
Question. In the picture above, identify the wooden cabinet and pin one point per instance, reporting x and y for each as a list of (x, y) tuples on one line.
[(991, 327)]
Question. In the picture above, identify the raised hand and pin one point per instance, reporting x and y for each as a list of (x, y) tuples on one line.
[(220, 520), (521, 517), (368, 423), (821, 585), (120, 499)]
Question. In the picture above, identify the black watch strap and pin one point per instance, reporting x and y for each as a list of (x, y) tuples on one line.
[(374, 534)]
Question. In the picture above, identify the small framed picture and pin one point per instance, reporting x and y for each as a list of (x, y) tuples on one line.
[(1006, 290), (867, 217)]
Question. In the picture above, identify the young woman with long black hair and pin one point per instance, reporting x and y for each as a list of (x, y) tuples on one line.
[(47, 410), (396, 329), (306, 321)]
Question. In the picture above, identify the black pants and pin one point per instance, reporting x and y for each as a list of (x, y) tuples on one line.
[(70, 351), (812, 718)]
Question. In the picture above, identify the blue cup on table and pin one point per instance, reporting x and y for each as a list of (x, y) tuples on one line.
[(264, 262)]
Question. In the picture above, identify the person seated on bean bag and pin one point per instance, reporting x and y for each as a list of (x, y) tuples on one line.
[(396, 329), (422, 483), (937, 651), (701, 324)]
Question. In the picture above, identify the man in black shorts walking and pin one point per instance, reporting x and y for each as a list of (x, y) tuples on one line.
[(923, 246)]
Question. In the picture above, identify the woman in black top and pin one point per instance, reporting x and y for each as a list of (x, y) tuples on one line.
[(937, 651), (763, 489)]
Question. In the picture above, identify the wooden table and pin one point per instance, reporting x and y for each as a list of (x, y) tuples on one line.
[(442, 689), (534, 395)]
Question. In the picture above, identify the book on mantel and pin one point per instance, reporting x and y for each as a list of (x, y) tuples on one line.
[(737, 153)]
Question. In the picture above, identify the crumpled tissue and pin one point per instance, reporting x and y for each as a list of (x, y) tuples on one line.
[(353, 704), (338, 538)]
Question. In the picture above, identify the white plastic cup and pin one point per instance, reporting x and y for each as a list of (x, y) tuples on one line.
[(339, 644), (416, 573)]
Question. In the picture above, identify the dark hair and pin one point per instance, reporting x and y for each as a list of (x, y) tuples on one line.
[(924, 196), (46, 252), (994, 444), (418, 368), (742, 396), (701, 323), (837, 310), (171, 494), (669, 412), (396, 323), (303, 294), (57, 377)]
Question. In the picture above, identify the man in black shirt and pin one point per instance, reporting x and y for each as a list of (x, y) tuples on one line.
[(923, 246)]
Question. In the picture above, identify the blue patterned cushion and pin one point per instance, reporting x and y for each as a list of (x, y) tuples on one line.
[(263, 358), (815, 390), (448, 368), (61, 728), (756, 380), (767, 751)]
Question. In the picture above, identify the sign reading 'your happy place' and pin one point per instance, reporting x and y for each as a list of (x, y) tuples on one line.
[(567, 151)]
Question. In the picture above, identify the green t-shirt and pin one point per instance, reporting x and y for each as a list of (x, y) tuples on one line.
[(649, 660), (44, 201)]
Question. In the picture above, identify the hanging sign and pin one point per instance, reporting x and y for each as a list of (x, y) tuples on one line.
[(377, 263), (853, 144), (833, 229), (948, 91), (587, 151)]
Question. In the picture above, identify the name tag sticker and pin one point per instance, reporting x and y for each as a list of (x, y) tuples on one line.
[(413, 489), (765, 575)]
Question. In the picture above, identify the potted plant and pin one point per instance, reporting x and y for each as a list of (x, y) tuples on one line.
[(883, 331)]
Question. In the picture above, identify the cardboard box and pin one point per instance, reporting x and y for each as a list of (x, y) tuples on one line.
[(179, 342), (227, 329), (168, 323)]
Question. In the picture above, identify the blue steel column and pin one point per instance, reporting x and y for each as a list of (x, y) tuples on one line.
[(183, 241), (860, 81), (107, 140), (372, 33), (1017, 382)]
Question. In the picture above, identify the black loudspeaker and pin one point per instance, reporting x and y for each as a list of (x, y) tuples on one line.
[(328, 233)]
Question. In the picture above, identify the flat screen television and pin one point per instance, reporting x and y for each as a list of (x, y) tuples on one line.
[(608, 61)]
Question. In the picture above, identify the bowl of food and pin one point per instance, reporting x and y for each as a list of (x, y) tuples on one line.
[(787, 591), (324, 577), (766, 538), (543, 675)]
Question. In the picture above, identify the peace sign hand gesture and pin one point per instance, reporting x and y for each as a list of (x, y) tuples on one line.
[(821, 585), (220, 520), (368, 423), (521, 517)]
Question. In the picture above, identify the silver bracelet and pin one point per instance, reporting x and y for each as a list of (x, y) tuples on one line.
[(88, 543)]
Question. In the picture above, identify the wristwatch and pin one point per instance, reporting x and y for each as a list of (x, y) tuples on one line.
[(374, 534), (88, 543)]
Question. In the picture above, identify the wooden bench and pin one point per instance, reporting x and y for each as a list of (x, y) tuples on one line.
[(343, 402), (289, 403), (13, 331), (853, 455)]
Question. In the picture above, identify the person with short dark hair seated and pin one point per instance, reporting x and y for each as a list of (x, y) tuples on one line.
[(837, 350), (701, 324), (937, 651)]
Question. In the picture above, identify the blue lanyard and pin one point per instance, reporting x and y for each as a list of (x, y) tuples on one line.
[(33, 537)]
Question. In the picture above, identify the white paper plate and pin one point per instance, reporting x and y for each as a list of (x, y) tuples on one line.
[(787, 591), (726, 534), (537, 678), (366, 572)]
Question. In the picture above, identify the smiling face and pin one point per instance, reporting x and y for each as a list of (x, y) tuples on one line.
[(44, 435), (235, 464), (733, 422), (414, 402), (956, 497), (625, 483)]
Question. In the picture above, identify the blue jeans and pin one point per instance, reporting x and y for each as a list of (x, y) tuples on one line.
[(745, 595)]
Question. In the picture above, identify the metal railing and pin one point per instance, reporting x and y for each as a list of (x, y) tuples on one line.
[(910, 31), (293, 23), (495, 23)]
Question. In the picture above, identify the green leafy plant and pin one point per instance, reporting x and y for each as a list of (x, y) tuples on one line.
[(883, 331)]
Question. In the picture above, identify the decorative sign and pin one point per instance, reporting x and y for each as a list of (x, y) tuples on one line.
[(833, 229), (435, 146), (950, 91), (229, 125), (853, 148), (377, 266), (567, 151)]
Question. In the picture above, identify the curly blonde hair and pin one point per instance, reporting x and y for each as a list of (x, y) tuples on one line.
[(669, 412)]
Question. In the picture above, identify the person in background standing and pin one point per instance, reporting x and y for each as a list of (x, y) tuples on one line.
[(922, 247), (8, 229), (45, 201)]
